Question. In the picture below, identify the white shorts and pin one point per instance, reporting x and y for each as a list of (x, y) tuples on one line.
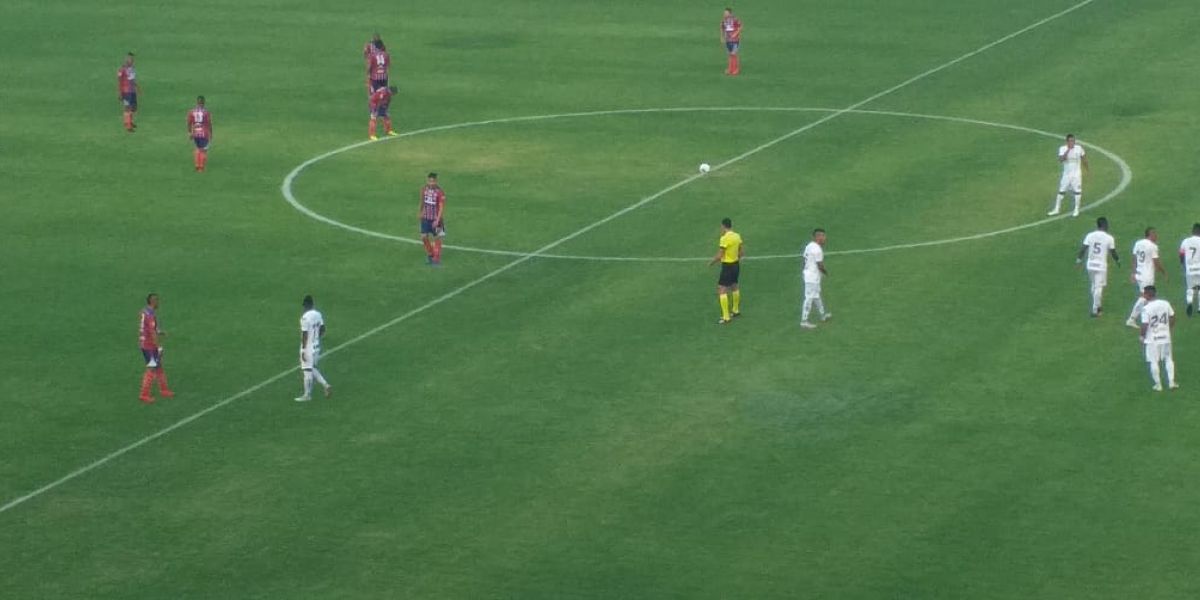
[(313, 358), (1099, 279), (1158, 351), (1071, 183), (812, 289)]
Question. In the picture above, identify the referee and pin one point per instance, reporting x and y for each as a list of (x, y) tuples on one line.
[(729, 254)]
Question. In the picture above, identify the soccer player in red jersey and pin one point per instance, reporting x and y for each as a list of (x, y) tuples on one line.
[(380, 99), (127, 91), (433, 227), (731, 34), (199, 125), (377, 66), (148, 334), (368, 50)]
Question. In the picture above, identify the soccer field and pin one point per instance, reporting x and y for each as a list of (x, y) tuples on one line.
[(553, 412)]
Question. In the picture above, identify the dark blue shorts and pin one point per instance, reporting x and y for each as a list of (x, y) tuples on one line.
[(129, 100), (380, 112), (201, 143), (151, 355), (376, 84), (427, 227), (732, 47)]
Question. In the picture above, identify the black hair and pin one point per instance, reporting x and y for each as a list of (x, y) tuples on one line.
[(1196, 228), (818, 230), (129, 54), (1070, 135), (1153, 291), (308, 301), (199, 99), (727, 222), (393, 89), (1102, 223), (432, 175), (149, 296), (378, 43), (1148, 231)]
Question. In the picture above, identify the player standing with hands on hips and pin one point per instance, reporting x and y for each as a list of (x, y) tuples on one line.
[(731, 35), (1098, 246), (1074, 164), (1158, 318)]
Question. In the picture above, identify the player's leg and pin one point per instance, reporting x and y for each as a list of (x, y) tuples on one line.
[(723, 301), (316, 373), (306, 376), (1077, 191), (810, 299), (1062, 190), (735, 294), (1097, 280), (735, 62), (371, 128), (1169, 361), (1192, 294), (161, 375), (148, 376)]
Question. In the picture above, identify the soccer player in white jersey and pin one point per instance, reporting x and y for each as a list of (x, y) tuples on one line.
[(1158, 318), (312, 329), (1189, 257), (1145, 264), (1097, 247), (814, 272), (1074, 164)]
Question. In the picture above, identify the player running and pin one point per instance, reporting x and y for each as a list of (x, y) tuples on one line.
[(731, 36), (148, 334), (127, 91), (380, 99), (1073, 157), (199, 125), (377, 66), (433, 224), (814, 272), (1145, 265), (312, 329), (1189, 257), (730, 251), (1098, 246), (1158, 318)]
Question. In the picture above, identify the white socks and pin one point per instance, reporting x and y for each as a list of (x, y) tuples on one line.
[(320, 378), (809, 303), (1057, 203), (1191, 293), (1097, 294), (1078, 200), (1154, 374), (308, 381), (1171, 370)]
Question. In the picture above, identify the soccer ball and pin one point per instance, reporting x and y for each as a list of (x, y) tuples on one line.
[(704, 168)]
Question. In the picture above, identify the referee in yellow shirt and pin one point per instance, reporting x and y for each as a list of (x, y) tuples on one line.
[(729, 254)]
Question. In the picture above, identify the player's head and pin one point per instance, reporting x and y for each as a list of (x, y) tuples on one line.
[(1195, 228), (393, 89), (199, 100), (129, 58), (1152, 234), (377, 42), (431, 178), (1102, 223), (1070, 139), (152, 300), (1149, 292), (726, 224), (308, 302), (728, 12), (819, 236)]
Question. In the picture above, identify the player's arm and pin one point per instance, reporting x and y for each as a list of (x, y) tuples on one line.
[(441, 207), (1082, 253), (741, 251), (1083, 161), (821, 268), (1116, 258), (717, 258), (303, 343), (1158, 266)]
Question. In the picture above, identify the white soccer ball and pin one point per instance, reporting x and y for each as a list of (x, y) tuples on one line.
[(704, 168)]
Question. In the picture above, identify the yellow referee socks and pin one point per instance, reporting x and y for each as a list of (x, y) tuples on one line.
[(737, 301), (725, 305)]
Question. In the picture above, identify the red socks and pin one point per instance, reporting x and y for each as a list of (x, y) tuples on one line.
[(734, 67), (163, 390), (128, 121), (201, 158), (147, 379), (437, 250)]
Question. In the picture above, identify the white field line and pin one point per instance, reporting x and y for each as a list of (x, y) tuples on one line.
[(1126, 178), (520, 260)]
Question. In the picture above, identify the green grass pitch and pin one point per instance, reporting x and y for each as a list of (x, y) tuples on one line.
[(582, 428)]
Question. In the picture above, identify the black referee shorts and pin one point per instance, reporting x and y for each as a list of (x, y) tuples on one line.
[(729, 274)]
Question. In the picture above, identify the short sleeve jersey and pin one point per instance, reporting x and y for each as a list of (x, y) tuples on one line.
[(1190, 251), (731, 245), (1145, 252), (1156, 315), (1099, 244), (1074, 157), (311, 322), (813, 256)]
